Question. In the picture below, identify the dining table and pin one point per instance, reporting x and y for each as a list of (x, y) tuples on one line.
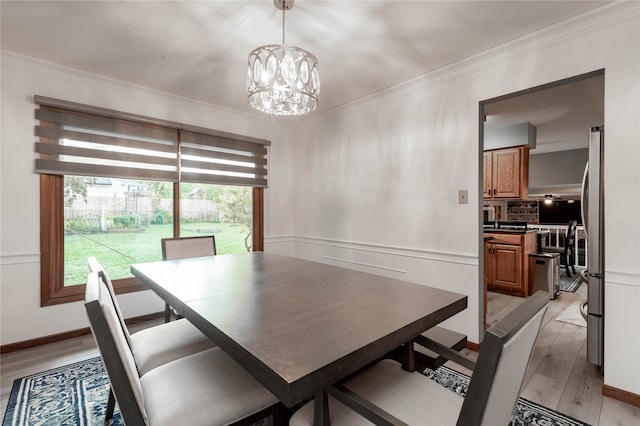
[(297, 325)]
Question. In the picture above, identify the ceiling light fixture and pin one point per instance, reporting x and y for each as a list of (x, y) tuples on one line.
[(281, 79), (548, 199)]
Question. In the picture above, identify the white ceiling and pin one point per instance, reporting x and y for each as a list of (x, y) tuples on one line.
[(199, 49), (562, 114)]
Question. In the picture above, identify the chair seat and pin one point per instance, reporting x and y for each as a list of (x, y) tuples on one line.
[(410, 397), (167, 342), (206, 388)]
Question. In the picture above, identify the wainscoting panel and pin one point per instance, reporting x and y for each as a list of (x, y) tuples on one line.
[(622, 331)]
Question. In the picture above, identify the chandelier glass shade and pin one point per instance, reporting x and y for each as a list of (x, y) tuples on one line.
[(281, 79)]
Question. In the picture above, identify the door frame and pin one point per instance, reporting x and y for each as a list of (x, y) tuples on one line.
[(481, 121)]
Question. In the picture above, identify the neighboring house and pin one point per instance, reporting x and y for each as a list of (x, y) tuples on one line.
[(197, 194), (112, 187)]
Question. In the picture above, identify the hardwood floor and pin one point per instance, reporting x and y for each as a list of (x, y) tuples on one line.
[(558, 376)]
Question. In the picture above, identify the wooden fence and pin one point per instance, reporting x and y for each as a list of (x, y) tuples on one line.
[(100, 213)]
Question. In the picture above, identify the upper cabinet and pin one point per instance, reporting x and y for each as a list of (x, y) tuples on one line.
[(506, 173)]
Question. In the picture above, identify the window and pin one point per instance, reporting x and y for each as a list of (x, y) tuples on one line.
[(112, 185)]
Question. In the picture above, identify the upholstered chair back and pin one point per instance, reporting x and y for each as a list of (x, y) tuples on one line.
[(95, 266), (502, 363), (115, 350), (184, 248)]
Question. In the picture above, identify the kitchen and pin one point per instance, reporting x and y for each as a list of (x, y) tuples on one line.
[(536, 148)]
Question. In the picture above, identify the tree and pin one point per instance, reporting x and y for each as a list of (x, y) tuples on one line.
[(234, 205), (160, 189), (76, 187)]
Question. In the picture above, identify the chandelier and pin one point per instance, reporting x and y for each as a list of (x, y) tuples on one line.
[(281, 79)]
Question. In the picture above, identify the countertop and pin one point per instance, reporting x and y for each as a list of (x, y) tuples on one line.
[(508, 231)]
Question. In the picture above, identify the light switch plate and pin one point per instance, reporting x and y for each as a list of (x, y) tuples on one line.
[(463, 196)]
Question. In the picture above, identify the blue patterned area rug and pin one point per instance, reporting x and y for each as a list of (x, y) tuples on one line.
[(76, 395), (526, 412), (570, 284), (73, 395)]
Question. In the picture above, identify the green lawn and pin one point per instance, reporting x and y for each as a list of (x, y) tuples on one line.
[(117, 251)]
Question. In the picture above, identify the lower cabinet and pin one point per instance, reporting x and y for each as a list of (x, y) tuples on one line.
[(507, 262)]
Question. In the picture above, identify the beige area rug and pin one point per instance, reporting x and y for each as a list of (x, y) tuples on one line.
[(572, 315)]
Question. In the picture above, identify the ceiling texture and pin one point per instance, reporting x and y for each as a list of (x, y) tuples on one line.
[(562, 114), (199, 49)]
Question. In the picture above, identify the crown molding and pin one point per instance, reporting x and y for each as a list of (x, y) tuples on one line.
[(12, 60), (595, 19)]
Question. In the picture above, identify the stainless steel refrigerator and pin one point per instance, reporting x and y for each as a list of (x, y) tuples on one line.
[(593, 220)]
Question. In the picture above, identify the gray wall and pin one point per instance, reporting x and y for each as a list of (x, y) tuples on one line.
[(557, 173)]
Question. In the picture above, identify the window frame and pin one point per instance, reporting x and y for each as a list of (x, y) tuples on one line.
[(52, 288)]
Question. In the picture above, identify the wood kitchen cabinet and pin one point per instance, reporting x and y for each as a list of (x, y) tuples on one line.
[(507, 262), (506, 173)]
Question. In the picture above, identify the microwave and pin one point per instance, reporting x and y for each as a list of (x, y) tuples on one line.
[(489, 213)]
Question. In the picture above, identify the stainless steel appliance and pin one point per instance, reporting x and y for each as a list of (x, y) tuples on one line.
[(593, 219), (544, 270)]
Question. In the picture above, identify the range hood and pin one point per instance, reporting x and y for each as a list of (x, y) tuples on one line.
[(507, 136)]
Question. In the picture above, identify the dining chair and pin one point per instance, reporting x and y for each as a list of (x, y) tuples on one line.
[(184, 248), (567, 255), (159, 344), (385, 394), (156, 345), (206, 387)]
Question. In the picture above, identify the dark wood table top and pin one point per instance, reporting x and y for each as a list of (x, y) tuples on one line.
[(295, 325)]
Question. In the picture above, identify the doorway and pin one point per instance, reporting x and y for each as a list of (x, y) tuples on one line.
[(562, 114)]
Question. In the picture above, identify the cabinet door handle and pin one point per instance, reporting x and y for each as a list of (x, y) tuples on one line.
[(494, 191)]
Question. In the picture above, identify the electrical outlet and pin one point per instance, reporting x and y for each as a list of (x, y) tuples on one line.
[(463, 196)]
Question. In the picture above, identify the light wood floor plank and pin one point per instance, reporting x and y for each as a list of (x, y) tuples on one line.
[(616, 413), (582, 396), (562, 355), (549, 332), (543, 390)]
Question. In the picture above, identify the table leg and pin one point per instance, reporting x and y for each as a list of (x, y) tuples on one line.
[(408, 357), (321, 409)]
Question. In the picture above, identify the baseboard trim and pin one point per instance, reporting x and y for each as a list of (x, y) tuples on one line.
[(621, 395), (26, 344), (472, 346)]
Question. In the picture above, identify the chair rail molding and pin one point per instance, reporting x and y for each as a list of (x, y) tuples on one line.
[(19, 258), (625, 278)]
